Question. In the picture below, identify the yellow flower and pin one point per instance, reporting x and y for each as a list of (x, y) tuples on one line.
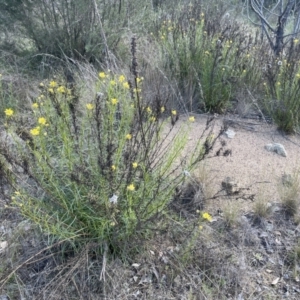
[(114, 101), (134, 165), (174, 112), (126, 85), (278, 83), (128, 136), (35, 105), (9, 112), (152, 119), (89, 106), (207, 216), (61, 89), (139, 79), (113, 167), (162, 109), (17, 193), (102, 75), (206, 52), (149, 110), (122, 78), (51, 91), (130, 187), (200, 227), (296, 41), (41, 84), (35, 131), (42, 121), (53, 84), (192, 119), (112, 82)]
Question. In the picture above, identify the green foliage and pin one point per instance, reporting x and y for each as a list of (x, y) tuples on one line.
[(78, 29), (208, 54), (282, 89), (100, 170)]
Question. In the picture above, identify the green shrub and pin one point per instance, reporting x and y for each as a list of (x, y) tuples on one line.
[(282, 89), (210, 57), (79, 29), (101, 169)]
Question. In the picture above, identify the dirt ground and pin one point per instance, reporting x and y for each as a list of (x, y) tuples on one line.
[(249, 164)]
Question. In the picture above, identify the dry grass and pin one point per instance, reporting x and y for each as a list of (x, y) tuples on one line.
[(289, 191)]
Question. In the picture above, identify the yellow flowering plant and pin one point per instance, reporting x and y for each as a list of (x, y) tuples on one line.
[(101, 171)]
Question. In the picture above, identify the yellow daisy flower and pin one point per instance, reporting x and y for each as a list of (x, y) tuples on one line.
[(122, 78), (42, 121), (53, 84), (114, 101), (131, 187), (102, 75), (9, 112), (126, 85), (90, 106), (35, 131), (207, 216)]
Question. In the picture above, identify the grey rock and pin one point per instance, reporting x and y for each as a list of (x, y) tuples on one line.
[(276, 148), (230, 133)]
